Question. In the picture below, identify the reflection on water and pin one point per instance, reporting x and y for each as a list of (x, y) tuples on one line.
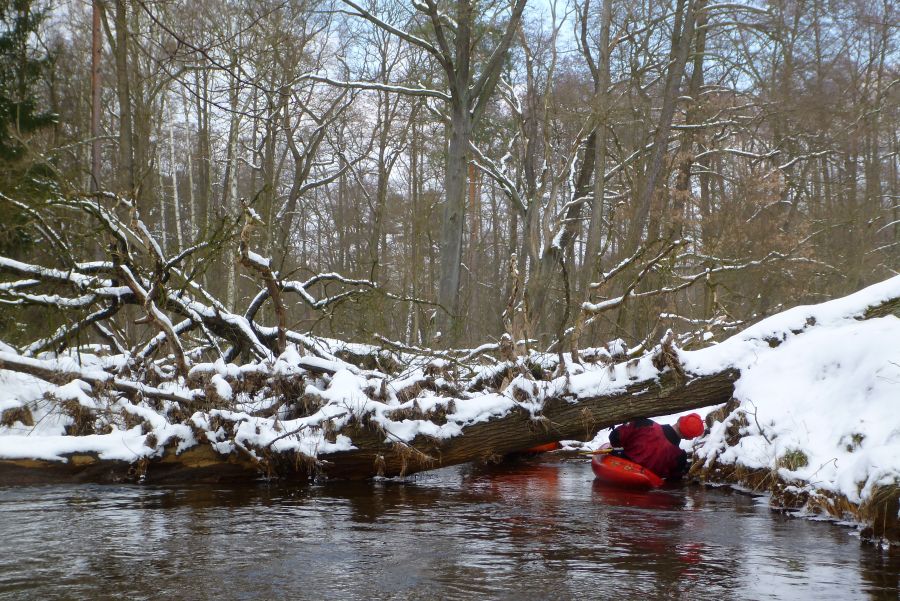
[(538, 529)]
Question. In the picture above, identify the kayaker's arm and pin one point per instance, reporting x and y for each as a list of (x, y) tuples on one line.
[(681, 468), (620, 435), (615, 437)]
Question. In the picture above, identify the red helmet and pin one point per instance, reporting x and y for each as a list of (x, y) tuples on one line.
[(690, 425)]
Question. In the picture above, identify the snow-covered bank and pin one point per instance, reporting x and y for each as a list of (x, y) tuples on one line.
[(823, 408), (816, 417), (817, 424)]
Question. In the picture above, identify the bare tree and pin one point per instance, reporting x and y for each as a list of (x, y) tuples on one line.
[(452, 46)]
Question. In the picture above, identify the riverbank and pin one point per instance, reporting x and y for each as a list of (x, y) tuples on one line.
[(815, 419), (815, 423), (785, 477)]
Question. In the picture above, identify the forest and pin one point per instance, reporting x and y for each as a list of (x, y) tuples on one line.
[(440, 174)]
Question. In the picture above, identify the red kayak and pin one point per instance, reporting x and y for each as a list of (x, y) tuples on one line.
[(622, 472), (545, 448)]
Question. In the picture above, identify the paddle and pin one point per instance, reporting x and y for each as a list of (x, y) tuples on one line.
[(600, 451)]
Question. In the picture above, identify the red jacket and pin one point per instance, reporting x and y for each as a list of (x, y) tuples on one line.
[(653, 446)]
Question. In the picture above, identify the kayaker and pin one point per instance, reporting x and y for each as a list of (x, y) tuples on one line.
[(655, 446)]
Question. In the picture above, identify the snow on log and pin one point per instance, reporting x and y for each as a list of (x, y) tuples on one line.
[(109, 418)]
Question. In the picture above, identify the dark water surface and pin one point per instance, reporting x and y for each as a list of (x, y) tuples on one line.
[(538, 529)]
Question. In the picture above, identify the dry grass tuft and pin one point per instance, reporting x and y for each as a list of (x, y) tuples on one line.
[(413, 390), (722, 412), (409, 455), (413, 412), (490, 457), (587, 419), (137, 471), (22, 415), (83, 419), (308, 464), (880, 512), (793, 460)]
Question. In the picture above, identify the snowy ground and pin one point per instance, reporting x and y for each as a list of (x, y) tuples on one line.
[(822, 408)]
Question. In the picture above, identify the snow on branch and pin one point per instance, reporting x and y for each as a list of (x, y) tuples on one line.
[(140, 274), (370, 85), (61, 372), (613, 303), (256, 263)]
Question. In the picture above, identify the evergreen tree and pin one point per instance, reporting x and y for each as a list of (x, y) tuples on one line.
[(22, 65)]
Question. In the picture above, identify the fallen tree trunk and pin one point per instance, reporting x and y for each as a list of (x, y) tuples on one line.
[(339, 421), (561, 419)]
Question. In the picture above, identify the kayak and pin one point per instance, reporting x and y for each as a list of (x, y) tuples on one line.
[(622, 472), (545, 448)]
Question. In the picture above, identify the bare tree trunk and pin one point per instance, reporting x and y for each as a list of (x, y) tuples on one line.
[(472, 251), (179, 234), (381, 191), (230, 188), (685, 157), (681, 40), (126, 180), (204, 153), (467, 106), (415, 234), (96, 89), (601, 86), (542, 279), (161, 197), (146, 119), (193, 210), (454, 217)]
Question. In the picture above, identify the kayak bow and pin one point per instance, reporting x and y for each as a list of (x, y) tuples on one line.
[(622, 472)]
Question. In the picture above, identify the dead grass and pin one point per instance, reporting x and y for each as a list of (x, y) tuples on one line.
[(83, 419), (22, 415), (793, 460), (413, 412), (411, 456), (880, 513), (380, 465)]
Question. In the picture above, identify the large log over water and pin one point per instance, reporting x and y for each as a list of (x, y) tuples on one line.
[(665, 384), (561, 419)]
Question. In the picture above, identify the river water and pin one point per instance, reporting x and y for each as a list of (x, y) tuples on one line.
[(533, 529)]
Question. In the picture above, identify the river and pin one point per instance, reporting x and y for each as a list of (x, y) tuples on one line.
[(533, 529)]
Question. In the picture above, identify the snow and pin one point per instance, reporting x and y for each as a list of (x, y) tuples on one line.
[(829, 389), (480, 409), (77, 391), (613, 378), (833, 395), (122, 446), (741, 349), (258, 259), (814, 380), (222, 387), (17, 389)]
